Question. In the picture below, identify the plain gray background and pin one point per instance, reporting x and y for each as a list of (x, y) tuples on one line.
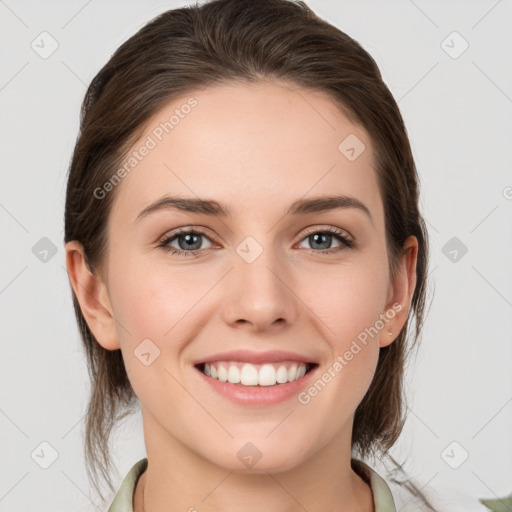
[(458, 109)]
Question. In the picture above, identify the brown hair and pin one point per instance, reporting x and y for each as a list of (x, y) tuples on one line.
[(235, 40)]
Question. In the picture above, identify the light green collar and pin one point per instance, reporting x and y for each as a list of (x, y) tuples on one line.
[(382, 497)]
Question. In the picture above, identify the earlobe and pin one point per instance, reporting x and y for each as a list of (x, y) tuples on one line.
[(401, 291), (92, 295)]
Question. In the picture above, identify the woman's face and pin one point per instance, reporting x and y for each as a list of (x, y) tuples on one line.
[(259, 279)]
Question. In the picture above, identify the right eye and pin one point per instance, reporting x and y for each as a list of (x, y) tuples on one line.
[(191, 242)]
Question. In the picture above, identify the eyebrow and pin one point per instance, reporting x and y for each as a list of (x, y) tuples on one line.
[(215, 209)]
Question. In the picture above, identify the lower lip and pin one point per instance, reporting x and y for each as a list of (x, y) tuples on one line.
[(258, 395)]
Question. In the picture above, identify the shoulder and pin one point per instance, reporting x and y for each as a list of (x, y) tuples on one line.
[(123, 500), (393, 494), (439, 498)]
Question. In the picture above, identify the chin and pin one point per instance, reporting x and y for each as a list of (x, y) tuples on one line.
[(259, 458)]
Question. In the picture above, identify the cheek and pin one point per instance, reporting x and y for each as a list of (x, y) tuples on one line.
[(156, 317), (348, 307), (161, 303), (348, 301), (168, 302), (151, 298)]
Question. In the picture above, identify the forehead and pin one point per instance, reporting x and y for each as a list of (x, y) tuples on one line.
[(248, 145)]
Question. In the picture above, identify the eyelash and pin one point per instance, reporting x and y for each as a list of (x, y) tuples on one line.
[(338, 234)]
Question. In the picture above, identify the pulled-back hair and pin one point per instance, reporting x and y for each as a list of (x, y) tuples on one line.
[(222, 41)]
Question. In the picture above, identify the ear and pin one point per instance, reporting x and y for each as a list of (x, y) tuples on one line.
[(92, 295), (400, 292)]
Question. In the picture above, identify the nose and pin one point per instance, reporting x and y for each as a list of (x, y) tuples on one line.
[(259, 294)]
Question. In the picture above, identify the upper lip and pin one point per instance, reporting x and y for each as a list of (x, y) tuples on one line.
[(248, 356)]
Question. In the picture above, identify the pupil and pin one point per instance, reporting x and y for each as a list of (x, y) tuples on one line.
[(189, 237), (323, 236)]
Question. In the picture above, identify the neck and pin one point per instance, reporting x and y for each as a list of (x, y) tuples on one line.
[(178, 479)]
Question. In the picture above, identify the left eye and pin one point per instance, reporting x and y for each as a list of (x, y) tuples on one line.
[(324, 239), (189, 242)]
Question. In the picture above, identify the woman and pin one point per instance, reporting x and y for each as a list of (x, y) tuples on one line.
[(246, 252)]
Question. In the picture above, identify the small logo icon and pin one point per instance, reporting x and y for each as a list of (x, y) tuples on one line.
[(249, 249), (44, 250), (44, 455), (454, 45), (146, 352), (44, 45), (249, 455), (454, 455), (454, 249), (352, 147)]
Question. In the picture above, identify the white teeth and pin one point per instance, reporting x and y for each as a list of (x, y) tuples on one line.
[(267, 375), (282, 375), (248, 374), (233, 375), (222, 373), (292, 372)]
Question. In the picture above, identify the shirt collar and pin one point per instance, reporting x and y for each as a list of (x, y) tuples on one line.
[(382, 497)]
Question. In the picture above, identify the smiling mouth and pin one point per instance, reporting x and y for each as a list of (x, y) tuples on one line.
[(248, 374)]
